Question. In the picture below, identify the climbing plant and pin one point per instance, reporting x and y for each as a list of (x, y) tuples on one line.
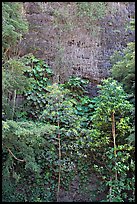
[(77, 85), (84, 106), (62, 111), (41, 76), (59, 147), (47, 152), (65, 135)]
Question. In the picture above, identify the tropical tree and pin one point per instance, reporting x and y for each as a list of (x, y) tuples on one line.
[(123, 65), (13, 26), (124, 69), (111, 124)]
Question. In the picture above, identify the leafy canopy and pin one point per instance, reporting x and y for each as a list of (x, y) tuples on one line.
[(112, 98), (13, 24), (124, 68)]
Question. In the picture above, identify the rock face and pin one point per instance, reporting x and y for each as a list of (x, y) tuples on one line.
[(57, 36)]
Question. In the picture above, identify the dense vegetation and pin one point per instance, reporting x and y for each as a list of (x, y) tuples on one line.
[(57, 132)]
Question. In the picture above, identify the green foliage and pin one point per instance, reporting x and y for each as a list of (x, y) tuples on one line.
[(94, 10), (123, 188), (59, 106), (37, 143), (123, 70), (85, 108), (13, 24), (112, 98), (13, 76), (40, 75), (124, 67), (62, 111), (90, 13), (58, 129), (132, 25), (13, 80), (76, 85), (27, 140)]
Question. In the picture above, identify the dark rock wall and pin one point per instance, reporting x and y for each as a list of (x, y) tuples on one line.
[(114, 35), (56, 35)]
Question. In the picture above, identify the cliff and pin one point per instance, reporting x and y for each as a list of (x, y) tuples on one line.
[(60, 37)]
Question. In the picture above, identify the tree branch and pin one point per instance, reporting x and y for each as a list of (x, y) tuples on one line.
[(21, 160)]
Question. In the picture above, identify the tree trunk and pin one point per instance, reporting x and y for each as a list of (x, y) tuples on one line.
[(114, 137), (110, 191), (14, 104), (59, 163)]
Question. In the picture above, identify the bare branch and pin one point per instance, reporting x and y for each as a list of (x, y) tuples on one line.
[(21, 160)]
